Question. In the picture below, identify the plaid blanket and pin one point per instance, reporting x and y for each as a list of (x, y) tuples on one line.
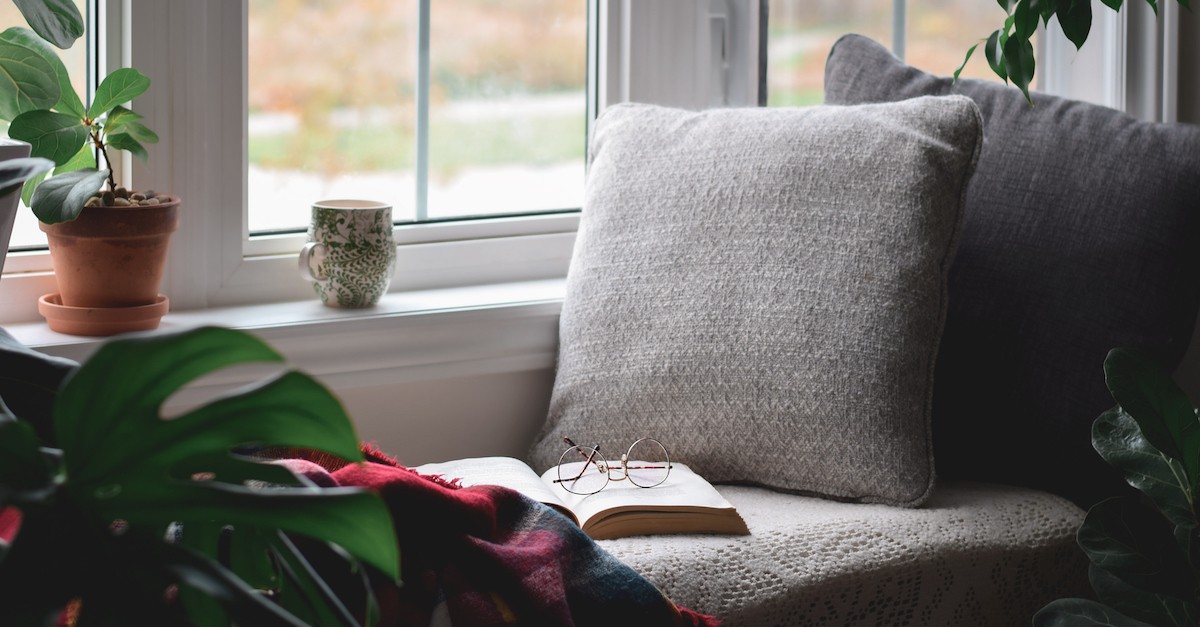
[(487, 555)]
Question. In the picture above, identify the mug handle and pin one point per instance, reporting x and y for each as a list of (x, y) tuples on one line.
[(306, 263)]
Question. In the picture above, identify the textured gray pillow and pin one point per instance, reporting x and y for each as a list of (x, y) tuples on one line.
[(1080, 236), (763, 290)]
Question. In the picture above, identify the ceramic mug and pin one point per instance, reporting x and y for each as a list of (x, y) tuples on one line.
[(350, 255)]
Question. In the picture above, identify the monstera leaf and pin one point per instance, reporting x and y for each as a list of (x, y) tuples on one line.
[(181, 500)]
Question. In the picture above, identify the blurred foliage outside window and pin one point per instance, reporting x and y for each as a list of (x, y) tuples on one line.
[(332, 106), (937, 36)]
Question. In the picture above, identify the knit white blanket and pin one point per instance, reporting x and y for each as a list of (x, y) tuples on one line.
[(976, 554)]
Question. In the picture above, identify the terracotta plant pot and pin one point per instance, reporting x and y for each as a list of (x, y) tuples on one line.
[(112, 256)]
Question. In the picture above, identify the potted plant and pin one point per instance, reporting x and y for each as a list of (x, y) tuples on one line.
[(124, 517), (108, 245)]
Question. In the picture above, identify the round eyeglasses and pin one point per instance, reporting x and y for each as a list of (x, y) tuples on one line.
[(583, 470)]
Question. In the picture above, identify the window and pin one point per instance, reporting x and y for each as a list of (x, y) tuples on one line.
[(443, 109), (930, 34)]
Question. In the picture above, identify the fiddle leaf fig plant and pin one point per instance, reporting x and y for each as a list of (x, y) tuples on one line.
[(1144, 551), (1009, 50), (129, 517), (43, 108)]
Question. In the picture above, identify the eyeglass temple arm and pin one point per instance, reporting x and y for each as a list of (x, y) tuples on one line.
[(583, 468)]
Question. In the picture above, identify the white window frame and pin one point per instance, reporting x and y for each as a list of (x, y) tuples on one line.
[(686, 53)]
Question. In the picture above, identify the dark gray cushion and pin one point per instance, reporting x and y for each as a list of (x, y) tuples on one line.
[(762, 290), (1081, 235)]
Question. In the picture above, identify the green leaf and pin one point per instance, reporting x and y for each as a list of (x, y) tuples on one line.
[(122, 141), (1163, 412), (994, 51), (57, 21), (54, 136), (25, 474), (85, 158), (14, 172), (1082, 613), (68, 101), (118, 87), (118, 117), (1149, 607), (1019, 64), (244, 604), (1006, 5), (1076, 22), (1115, 5), (27, 81), (129, 463), (1118, 439), (970, 51), (307, 595), (1153, 5), (1137, 544), (61, 198), (1026, 17)]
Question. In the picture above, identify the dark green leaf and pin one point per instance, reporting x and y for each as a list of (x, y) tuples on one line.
[(27, 81), (14, 172), (1156, 609), (1019, 64), (57, 21), (970, 51), (1076, 22), (54, 136), (24, 473), (121, 141), (1082, 613), (1125, 537), (1163, 412), (32, 184), (1006, 5), (1025, 18), (119, 87), (1117, 438), (119, 117), (244, 604), (61, 198), (1153, 5), (994, 51), (68, 101), (1115, 5)]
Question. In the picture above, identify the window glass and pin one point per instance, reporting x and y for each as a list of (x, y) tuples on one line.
[(941, 31), (938, 34), (800, 34), (508, 108), (333, 106), (26, 234)]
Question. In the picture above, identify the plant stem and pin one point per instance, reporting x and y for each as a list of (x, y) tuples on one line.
[(112, 185)]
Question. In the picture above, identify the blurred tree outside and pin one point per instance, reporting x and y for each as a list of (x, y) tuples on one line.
[(332, 95)]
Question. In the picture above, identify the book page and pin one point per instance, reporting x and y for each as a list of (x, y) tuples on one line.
[(682, 489), (502, 471)]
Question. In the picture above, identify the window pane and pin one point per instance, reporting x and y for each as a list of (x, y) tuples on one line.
[(938, 35), (507, 106), (332, 105), (25, 229), (941, 31), (800, 34)]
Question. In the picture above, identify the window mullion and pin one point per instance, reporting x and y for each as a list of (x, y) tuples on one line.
[(422, 148)]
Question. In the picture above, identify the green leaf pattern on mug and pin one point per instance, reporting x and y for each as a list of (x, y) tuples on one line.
[(359, 255)]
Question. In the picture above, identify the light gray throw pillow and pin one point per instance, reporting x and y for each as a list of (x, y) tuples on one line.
[(763, 290)]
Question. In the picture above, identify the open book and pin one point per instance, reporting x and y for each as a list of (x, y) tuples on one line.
[(684, 503)]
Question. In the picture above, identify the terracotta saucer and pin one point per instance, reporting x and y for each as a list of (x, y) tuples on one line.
[(100, 320)]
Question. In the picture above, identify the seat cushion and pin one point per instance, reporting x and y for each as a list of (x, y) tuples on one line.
[(1079, 237), (762, 290), (976, 554)]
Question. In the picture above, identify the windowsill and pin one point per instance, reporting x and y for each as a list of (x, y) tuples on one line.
[(408, 335)]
